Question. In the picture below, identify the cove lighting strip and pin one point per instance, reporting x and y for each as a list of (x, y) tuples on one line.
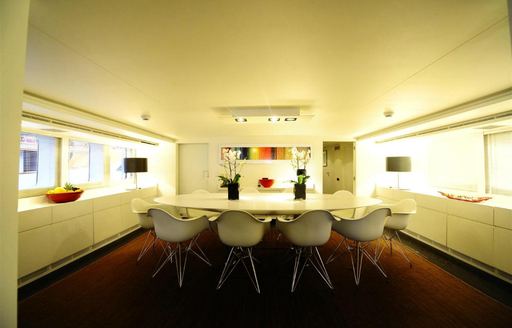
[(57, 122)]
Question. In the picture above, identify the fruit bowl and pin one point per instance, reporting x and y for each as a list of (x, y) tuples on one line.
[(266, 183), (64, 197)]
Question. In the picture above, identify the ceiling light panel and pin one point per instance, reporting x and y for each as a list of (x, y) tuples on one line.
[(264, 111)]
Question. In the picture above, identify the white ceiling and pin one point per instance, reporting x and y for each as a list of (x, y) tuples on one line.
[(343, 62)]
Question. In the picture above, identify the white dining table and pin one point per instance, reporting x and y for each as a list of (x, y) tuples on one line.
[(266, 203)]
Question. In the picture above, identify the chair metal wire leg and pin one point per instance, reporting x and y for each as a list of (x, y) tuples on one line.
[(227, 266), (237, 255), (332, 257), (181, 263), (361, 253), (311, 256), (374, 262), (170, 255), (201, 256), (253, 276), (295, 280), (358, 264), (320, 268), (149, 242), (401, 249)]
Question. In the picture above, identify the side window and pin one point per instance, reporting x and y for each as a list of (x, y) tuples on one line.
[(117, 155), (85, 162), (38, 161), (499, 163)]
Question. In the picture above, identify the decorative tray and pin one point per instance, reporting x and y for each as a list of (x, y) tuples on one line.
[(464, 198)]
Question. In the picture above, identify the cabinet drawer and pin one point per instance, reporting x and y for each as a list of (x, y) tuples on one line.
[(107, 223), (471, 238), (503, 217), (72, 236), (107, 202), (35, 249), (431, 202), (34, 218), (128, 218), (502, 249), (430, 224), (475, 212), (66, 211)]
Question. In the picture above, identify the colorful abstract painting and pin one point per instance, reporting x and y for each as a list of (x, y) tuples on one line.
[(258, 153)]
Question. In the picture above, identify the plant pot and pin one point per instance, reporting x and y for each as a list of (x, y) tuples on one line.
[(300, 191), (233, 193), (301, 172)]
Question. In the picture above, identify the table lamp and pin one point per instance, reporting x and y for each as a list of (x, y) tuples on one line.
[(135, 165), (398, 164)]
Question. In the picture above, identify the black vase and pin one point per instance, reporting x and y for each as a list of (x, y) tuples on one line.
[(233, 193), (301, 172), (300, 191)]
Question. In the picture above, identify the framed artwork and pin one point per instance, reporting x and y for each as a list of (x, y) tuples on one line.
[(325, 157), (264, 153)]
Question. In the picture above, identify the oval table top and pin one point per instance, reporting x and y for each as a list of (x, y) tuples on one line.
[(266, 203)]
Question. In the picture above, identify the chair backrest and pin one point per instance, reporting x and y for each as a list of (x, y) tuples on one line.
[(239, 228), (312, 228), (249, 190), (200, 191), (141, 207), (344, 195), (400, 214), (369, 227), (175, 229)]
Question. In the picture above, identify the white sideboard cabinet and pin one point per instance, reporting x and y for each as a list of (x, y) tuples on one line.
[(478, 233), (52, 235)]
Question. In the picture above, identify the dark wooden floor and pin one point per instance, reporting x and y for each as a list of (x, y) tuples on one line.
[(115, 291)]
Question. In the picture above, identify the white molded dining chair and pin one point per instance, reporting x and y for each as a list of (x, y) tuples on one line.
[(399, 219), (344, 195), (360, 233), (141, 207), (200, 191), (241, 231), (306, 232), (174, 230)]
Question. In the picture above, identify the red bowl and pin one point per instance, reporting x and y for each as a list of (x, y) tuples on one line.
[(266, 183), (65, 197)]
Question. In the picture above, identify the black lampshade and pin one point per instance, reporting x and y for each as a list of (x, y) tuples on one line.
[(135, 164), (398, 164)]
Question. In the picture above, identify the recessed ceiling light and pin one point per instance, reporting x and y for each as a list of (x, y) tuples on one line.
[(240, 119), (290, 119), (274, 119)]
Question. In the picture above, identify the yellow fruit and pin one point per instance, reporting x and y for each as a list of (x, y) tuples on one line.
[(59, 190), (50, 191)]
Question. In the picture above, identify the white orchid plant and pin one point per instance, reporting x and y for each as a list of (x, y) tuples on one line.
[(232, 166), (300, 159)]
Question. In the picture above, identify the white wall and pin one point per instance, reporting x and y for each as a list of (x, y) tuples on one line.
[(282, 171), (161, 167), (448, 160), (369, 164), (13, 37)]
